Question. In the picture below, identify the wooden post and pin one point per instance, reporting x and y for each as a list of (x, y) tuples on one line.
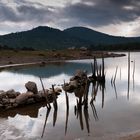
[(54, 98), (115, 74), (128, 75), (47, 115), (48, 103), (103, 67), (67, 110)]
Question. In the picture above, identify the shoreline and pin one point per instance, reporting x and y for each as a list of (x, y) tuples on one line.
[(9, 59)]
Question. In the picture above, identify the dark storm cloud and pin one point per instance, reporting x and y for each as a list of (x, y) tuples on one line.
[(103, 12), (92, 13), (24, 11), (7, 13), (33, 13), (89, 12)]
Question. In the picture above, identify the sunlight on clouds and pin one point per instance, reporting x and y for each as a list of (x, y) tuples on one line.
[(56, 3), (128, 7), (59, 3), (127, 29), (88, 3), (75, 1)]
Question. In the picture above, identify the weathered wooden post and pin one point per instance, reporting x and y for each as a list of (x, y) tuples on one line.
[(48, 103)]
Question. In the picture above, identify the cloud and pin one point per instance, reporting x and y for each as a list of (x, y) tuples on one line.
[(101, 13), (97, 14), (25, 12)]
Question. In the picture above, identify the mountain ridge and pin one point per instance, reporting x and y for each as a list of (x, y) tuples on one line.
[(44, 37)]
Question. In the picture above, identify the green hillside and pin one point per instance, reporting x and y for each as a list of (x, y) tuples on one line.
[(44, 37)]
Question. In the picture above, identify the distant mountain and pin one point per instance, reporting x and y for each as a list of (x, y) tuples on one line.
[(41, 37), (44, 37), (97, 38)]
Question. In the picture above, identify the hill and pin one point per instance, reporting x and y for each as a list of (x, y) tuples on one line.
[(97, 38), (44, 37), (41, 37)]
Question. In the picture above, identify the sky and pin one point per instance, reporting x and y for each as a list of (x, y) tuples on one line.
[(114, 17)]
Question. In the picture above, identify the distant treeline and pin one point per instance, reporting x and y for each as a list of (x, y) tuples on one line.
[(5, 47), (101, 47), (116, 47)]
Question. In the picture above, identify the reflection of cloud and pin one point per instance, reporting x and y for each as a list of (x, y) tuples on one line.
[(15, 81), (30, 127)]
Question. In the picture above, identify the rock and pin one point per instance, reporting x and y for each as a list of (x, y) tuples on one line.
[(31, 86), (5, 101), (1, 91), (1, 105), (38, 97), (0, 101), (8, 107), (12, 101), (22, 98), (15, 105), (42, 94), (12, 94), (56, 91), (30, 101), (79, 75), (71, 86), (79, 92), (3, 95)]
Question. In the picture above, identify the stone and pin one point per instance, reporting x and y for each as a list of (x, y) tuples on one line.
[(12, 101), (12, 94), (15, 105), (42, 94), (30, 101), (70, 87), (56, 91), (22, 98), (79, 74), (31, 86), (73, 84), (5, 101), (1, 91), (1, 105), (8, 107), (38, 97), (3, 95)]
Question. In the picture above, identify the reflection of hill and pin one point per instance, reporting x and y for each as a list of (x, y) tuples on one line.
[(53, 70)]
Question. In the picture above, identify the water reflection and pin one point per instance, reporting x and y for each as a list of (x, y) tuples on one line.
[(30, 110), (79, 116)]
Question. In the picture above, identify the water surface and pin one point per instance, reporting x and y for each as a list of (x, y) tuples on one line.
[(116, 111)]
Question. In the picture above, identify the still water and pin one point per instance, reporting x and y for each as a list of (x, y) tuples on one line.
[(116, 112)]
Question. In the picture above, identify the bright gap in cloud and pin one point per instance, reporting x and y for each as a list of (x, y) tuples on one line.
[(127, 29)]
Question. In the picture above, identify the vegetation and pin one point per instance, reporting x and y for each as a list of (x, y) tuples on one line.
[(116, 47), (44, 38)]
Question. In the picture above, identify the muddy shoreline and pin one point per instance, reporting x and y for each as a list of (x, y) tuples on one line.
[(10, 59)]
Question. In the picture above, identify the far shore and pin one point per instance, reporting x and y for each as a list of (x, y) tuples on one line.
[(14, 58)]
